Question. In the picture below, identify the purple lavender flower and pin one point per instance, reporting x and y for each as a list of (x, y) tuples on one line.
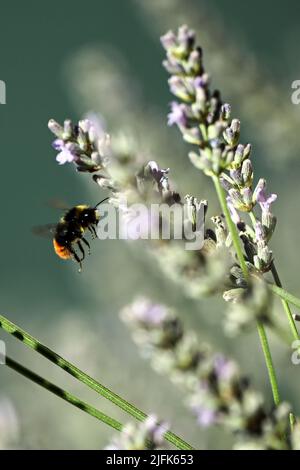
[(183, 89), (186, 36), (233, 212), (177, 115), (168, 40), (140, 436), (201, 81), (86, 144), (224, 368), (146, 312), (205, 416), (262, 198), (155, 429), (56, 128), (65, 154), (225, 111)]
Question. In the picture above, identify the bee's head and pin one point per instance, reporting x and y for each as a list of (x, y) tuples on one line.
[(88, 217)]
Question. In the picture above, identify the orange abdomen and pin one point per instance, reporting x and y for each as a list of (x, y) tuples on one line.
[(61, 250)]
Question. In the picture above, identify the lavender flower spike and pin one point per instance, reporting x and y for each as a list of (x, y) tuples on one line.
[(85, 144)]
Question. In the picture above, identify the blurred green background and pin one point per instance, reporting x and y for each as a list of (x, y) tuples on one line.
[(61, 59)]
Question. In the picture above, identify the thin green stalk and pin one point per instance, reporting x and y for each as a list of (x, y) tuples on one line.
[(279, 284), (285, 303), (71, 369), (68, 397), (240, 255), (269, 362), (253, 219), (283, 294)]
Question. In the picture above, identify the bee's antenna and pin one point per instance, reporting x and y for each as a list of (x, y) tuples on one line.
[(101, 202)]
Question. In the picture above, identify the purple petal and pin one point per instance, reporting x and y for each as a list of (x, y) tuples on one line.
[(233, 212), (168, 40), (65, 156), (58, 144), (264, 200), (205, 417), (224, 368), (177, 115), (271, 198)]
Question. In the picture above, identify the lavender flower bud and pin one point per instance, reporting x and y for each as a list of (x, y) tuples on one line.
[(68, 129), (228, 157), (227, 185), (269, 222), (192, 136), (236, 176), (225, 112), (148, 435), (232, 133), (238, 200), (56, 128), (168, 40), (265, 256), (247, 151), (172, 65), (247, 196), (181, 88), (247, 172), (201, 162), (260, 233), (186, 39), (82, 139), (194, 63), (239, 155)]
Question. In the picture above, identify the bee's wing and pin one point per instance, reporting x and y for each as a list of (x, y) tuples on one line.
[(47, 230), (57, 203)]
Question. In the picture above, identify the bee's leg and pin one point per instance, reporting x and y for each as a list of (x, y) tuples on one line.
[(81, 249), (76, 257), (93, 231), (87, 244)]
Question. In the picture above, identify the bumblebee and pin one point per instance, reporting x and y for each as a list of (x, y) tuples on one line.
[(70, 230)]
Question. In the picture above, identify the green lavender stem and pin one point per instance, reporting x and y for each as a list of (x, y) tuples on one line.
[(239, 252), (283, 294), (278, 283), (269, 362), (34, 344), (68, 397), (285, 303)]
